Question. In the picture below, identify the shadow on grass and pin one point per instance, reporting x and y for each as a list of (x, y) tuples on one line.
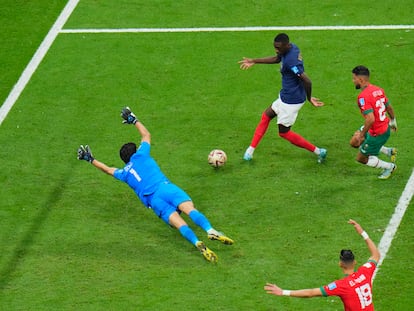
[(23, 247)]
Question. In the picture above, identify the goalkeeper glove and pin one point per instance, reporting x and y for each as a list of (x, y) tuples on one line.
[(85, 153), (393, 124), (128, 116)]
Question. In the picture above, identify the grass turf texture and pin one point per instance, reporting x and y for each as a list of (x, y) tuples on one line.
[(74, 239)]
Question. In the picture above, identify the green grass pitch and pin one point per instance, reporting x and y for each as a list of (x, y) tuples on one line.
[(72, 238)]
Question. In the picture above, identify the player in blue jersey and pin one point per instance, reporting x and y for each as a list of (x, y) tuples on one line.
[(296, 88), (153, 188)]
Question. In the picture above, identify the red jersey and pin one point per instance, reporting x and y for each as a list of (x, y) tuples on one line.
[(373, 99), (355, 290)]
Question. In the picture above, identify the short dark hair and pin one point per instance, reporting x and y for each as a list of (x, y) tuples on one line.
[(282, 37), (126, 151), (361, 71), (346, 256)]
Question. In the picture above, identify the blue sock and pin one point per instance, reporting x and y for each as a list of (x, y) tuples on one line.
[(200, 220), (188, 234)]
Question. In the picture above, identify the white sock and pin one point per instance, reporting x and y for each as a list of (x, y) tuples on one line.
[(250, 150), (317, 151), (385, 150), (373, 161)]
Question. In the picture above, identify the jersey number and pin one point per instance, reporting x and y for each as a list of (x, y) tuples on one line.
[(382, 110), (134, 172), (364, 295)]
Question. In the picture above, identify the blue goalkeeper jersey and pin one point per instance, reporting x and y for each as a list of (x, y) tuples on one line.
[(142, 173), (293, 91)]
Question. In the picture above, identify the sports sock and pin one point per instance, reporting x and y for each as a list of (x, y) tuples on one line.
[(250, 150), (200, 220), (373, 161), (188, 234), (385, 150), (260, 130), (213, 231), (297, 140)]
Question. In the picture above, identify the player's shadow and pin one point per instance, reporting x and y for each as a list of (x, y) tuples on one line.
[(23, 247)]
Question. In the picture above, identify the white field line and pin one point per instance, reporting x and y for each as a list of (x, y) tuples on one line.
[(237, 29), (36, 59), (396, 218)]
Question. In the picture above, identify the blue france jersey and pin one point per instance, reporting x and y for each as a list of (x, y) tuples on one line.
[(293, 91), (142, 173)]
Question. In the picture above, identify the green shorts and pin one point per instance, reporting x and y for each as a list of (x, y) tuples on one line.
[(372, 144)]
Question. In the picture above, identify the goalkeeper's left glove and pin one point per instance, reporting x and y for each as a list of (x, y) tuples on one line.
[(393, 124), (85, 153), (128, 116)]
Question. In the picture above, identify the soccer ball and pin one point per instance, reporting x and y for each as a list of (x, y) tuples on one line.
[(217, 158)]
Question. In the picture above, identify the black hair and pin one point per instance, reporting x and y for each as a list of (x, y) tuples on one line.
[(346, 256), (126, 151), (282, 37), (361, 71)]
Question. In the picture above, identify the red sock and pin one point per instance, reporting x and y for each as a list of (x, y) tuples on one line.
[(298, 140), (260, 130)]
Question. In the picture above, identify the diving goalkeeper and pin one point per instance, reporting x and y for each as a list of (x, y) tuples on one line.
[(153, 188)]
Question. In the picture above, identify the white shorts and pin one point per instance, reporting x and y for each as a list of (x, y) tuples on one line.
[(286, 113)]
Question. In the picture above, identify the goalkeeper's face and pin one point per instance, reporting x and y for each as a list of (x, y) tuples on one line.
[(126, 151)]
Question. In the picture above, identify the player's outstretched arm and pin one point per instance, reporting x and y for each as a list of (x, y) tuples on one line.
[(103, 167), (300, 293), (130, 118), (145, 134), (375, 253), (85, 153), (246, 62)]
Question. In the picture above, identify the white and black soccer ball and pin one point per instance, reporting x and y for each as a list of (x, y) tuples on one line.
[(217, 158)]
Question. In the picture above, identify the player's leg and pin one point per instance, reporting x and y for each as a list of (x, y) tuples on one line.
[(259, 132), (201, 220), (176, 221), (391, 152), (179, 223), (169, 214), (177, 197), (368, 152), (287, 115), (295, 139), (163, 206)]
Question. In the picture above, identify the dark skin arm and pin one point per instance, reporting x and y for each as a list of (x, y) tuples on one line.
[(246, 63), (307, 84)]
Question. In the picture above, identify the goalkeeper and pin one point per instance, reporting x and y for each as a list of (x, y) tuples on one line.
[(153, 188)]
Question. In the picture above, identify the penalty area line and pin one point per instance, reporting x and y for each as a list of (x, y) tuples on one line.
[(396, 218), (36, 59), (237, 29)]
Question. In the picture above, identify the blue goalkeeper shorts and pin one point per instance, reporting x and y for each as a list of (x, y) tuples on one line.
[(166, 200)]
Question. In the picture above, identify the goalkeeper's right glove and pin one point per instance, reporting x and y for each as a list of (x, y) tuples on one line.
[(85, 153), (128, 116)]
